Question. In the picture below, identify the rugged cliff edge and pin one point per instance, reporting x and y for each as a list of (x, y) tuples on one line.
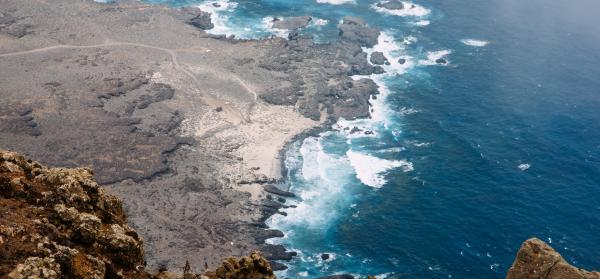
[(537, 259), (59, 223)]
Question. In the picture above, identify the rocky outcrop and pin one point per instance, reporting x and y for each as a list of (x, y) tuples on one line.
[(253, 266), (292, 23), (378, 58), (196, 17), (59, 223), (391, 5), (536, 259), (356, 30)]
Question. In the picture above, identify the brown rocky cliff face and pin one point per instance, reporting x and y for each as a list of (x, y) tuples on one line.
[(59, 223), (537, 259)]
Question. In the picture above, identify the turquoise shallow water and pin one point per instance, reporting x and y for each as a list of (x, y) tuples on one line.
[(468, 159)]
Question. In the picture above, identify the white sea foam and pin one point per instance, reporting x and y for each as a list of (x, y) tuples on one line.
[(432, 56), (336, 2), (407, 111), (421, 23), (474, 42), (524, 167), (268, 25), (219, 10), (410, 9), (370, 169), (324, 176), (319, 22)]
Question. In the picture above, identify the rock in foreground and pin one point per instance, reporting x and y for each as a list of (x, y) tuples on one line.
[(537, 259), (59, 223)]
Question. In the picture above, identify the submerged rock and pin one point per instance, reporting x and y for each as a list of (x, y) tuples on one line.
[(441, 61), (536, 259)]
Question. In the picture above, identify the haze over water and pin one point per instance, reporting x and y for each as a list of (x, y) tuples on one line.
[(467, 159)]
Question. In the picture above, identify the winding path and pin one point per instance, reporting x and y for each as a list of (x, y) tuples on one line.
[(211, 100)]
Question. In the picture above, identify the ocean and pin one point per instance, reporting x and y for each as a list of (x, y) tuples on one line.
[(464, 160)]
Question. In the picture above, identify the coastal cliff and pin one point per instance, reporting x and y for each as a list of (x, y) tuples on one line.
[(59, 223)]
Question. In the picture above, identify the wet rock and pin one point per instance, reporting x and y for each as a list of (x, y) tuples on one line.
[(325, 256), (441, 61), (276, 191), (378, 58), (391, 5), (292, 23), (537, 259), (202, 20), (402, 61), (356, 30)]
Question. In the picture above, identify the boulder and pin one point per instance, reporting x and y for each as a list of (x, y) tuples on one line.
[(391, 5), (378, 58)]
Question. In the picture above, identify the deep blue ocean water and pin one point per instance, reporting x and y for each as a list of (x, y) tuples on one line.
[(468, 159)]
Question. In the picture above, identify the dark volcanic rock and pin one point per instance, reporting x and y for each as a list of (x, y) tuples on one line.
[(378, 58), (292, 23), (202, 21), (402, 61), (537, 259), (354, 102), (276, 191), (325, 256), (356, 30), (278, 266), (391, 5), (277, 252), (441, 61), (197, 18)]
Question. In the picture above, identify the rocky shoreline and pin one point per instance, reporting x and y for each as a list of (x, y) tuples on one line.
[(177, 122)]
